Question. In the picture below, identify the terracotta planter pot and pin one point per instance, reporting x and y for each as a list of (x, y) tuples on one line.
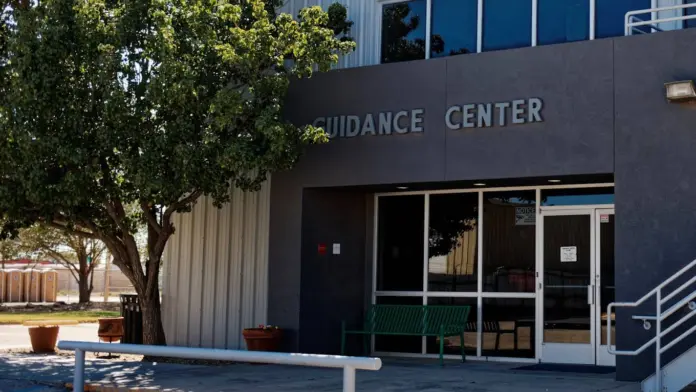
[(43, 339), (110, 329), (259, 339)]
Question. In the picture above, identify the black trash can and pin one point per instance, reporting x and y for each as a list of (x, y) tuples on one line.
[(132, 319)]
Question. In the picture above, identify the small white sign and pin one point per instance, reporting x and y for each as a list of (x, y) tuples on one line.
[(604, 218), (337, 249), (525, 216), (569, 254)]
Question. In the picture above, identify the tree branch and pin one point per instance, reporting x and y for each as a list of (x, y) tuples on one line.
[(65, 262), (150, 217), (179, 204), (81, 233), (116, 217)]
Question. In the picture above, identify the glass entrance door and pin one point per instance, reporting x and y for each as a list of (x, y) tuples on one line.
[(568, 313), (577, 283), (604, 282)]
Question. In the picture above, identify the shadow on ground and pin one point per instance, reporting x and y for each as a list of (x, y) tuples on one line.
[(396, 375)]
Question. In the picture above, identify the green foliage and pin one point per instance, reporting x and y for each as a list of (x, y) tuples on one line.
[(115, 113), (338, 21), (148, 101)]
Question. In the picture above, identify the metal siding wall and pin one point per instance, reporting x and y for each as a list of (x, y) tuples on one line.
[(197, 270), (234, 305), (216, 271), (182, 296), (261, 292), (365, 17), (208, 316)]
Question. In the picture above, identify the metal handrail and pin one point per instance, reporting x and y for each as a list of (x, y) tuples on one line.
[(630, 25), (689, 300), (349, 364), (658, 318)]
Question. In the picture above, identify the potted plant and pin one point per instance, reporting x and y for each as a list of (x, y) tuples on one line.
[(43, 338), (110, 329), (263, 338)]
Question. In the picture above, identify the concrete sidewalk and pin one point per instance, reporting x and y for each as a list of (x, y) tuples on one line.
[(17, 336), (396, 375)]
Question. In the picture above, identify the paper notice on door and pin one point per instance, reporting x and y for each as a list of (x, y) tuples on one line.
[(525, 216), (604, 218), (569, 254)]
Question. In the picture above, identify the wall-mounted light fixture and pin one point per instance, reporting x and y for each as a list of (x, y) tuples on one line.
[(682, 91)]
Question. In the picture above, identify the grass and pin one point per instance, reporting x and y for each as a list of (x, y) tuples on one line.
[(81, 316)]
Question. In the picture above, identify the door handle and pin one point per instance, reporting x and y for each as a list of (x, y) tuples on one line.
[(590, 295)]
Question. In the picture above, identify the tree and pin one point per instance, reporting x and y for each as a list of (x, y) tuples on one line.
[(152, 104), (78, 254), (9, 250)]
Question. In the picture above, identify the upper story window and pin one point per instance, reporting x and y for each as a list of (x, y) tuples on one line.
[(471, 26), (507, 24), (453, 26), (611, 15), (563, 21), (689, 23), (403, 31)]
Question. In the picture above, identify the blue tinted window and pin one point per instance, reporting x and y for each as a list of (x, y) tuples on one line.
[(563, 21), (690, 11), (611, 15), (507, 24), (453, 27), (403, 31), (582, 196)]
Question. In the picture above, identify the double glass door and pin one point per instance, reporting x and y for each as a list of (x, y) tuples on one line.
[(575, 285)]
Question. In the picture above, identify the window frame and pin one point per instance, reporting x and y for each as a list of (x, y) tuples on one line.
[(379, 4), (480, 294)]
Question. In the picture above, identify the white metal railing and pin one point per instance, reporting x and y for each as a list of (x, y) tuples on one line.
[(634, 24), (349, 364), (658, 318)]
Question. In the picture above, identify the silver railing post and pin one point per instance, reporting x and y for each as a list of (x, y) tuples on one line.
[(79, 379), (348, 364), (627, 22), (658, 332), (348, 379)]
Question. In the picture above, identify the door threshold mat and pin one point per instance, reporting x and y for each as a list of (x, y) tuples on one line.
[(553, 367)]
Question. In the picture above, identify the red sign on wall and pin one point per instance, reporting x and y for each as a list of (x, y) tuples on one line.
[(321, 249)]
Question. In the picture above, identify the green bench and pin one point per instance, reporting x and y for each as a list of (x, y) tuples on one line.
[(413, 320)]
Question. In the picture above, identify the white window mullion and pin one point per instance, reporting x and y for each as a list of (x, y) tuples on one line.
[(535, 15), (593, 18), (426, 225), (479, 28), (538, 252), (428, 27), (479, 262)]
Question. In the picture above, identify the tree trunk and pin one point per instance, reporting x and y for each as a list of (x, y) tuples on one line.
[(153, 333), (85, 289)]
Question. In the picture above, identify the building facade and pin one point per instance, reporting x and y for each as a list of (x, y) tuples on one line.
[(516, 156)]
